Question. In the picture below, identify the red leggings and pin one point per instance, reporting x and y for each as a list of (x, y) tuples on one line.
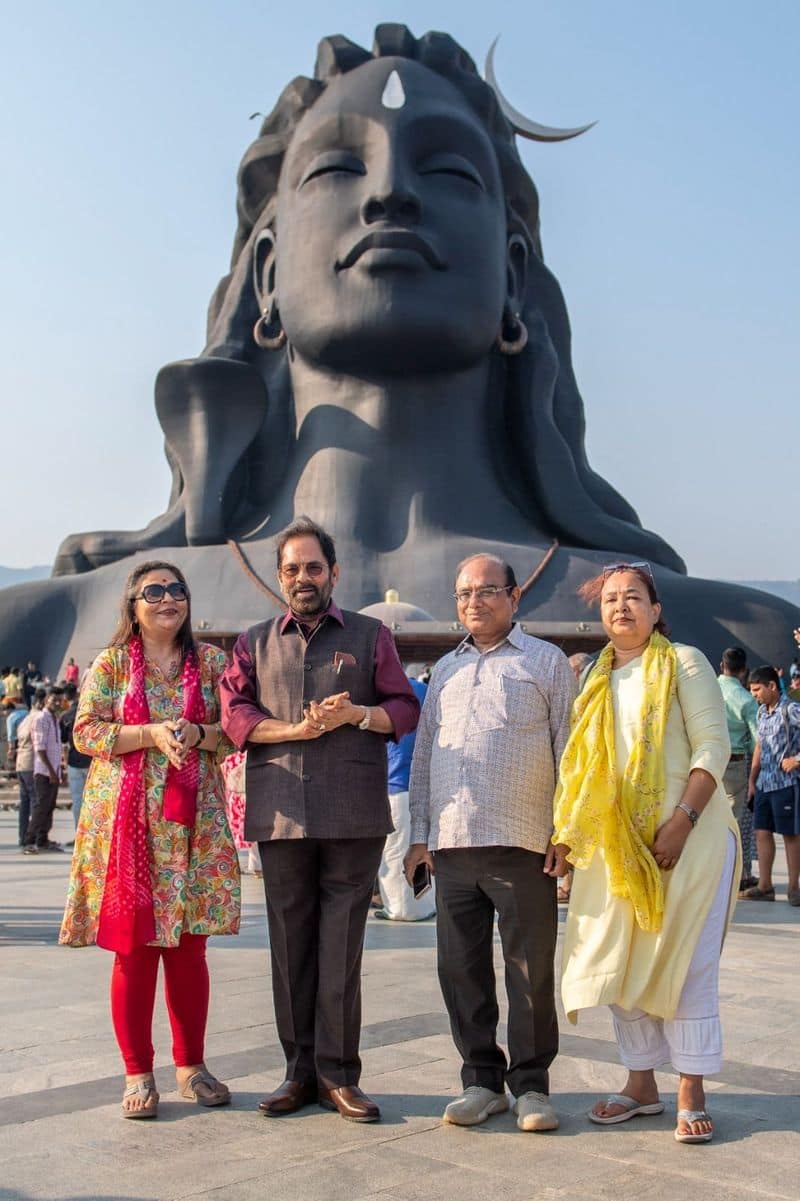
[(133, 996)]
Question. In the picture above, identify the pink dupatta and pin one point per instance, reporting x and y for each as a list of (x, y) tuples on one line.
[(126, 913)]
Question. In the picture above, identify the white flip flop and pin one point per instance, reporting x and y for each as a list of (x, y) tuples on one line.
[(689, 1116), (633, 1109)]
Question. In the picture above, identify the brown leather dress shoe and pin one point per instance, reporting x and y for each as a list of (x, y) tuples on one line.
[(350, 1102), (289, 1097)]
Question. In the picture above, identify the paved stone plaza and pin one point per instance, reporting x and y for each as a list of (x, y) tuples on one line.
[(60, 1082)]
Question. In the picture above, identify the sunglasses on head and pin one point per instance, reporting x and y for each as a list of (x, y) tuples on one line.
[(611, 568), (153, 593)]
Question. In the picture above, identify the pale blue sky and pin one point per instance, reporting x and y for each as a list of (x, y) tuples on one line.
[(672, 227)]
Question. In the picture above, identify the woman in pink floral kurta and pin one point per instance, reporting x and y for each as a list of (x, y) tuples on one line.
[(192, 890)]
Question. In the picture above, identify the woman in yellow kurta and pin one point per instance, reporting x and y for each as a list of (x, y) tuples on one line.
[(641, 814), (154, 870)]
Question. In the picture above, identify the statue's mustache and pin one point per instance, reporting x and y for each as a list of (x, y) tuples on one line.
[(391, 239)]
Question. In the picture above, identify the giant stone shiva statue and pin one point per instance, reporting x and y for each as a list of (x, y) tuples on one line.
[(389, 355)]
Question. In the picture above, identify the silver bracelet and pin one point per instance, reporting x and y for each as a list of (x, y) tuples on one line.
[(691, 813)]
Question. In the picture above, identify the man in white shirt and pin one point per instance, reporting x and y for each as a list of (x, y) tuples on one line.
[(493, 727)]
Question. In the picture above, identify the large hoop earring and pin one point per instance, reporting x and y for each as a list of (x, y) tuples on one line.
[(518, 343), (261, 335)]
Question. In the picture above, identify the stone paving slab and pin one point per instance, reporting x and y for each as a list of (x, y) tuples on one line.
[(61, 1137)]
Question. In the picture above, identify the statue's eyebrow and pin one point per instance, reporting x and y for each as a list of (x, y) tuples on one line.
[(328, 135), (460, 135)]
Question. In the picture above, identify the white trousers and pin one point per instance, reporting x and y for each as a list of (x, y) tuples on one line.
[(398, 899), (692, 1040)]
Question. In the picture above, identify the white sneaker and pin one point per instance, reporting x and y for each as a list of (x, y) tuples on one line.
[(534, 1112), (474, 1106)]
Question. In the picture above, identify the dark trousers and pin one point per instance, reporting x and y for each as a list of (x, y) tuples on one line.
[(318, 892), (26, 799), (44, 803), (471, 886)]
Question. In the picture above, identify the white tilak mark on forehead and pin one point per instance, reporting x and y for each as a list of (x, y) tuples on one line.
[(393, 94)]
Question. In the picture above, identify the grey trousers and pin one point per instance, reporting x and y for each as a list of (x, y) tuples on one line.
[(471, 886)]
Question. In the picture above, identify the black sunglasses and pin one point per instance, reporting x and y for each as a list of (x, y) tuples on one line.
[(153, 593)]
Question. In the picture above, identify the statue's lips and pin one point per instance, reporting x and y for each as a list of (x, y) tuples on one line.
[(401, 239)]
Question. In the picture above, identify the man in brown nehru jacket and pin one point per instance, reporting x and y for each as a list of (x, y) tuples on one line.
[(312, 696)]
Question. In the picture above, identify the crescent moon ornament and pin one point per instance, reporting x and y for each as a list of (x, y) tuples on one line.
[(517, 120)]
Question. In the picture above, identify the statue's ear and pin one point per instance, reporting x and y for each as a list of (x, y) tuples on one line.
[(516, 272), (264, 268)]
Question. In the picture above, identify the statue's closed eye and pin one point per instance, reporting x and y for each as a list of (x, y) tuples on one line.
[(330, 163), (451, 164)]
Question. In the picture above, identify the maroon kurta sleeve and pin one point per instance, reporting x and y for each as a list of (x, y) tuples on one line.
[(239, 708), (395, 694)]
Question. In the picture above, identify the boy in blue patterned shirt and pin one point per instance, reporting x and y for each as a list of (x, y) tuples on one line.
[(775, 784)]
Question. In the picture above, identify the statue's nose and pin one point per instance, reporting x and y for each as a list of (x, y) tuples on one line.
[(393, 199)]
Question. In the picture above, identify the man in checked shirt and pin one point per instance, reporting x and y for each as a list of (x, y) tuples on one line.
[(493, 727)]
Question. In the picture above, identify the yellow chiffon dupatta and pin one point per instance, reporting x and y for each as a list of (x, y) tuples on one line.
[(592, 808)]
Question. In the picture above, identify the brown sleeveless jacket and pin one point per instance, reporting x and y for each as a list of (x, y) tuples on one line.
[(329, 787)]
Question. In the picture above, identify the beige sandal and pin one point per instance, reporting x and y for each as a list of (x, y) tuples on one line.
[(146, 1089), (221, 1092)]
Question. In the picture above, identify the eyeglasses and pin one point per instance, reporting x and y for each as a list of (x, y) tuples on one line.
[(292, 570), (486, 593), (611, 568), (153, 593)]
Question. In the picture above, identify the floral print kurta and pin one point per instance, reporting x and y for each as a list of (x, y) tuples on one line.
[(194, 872)]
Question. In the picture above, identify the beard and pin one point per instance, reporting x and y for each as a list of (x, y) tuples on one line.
[(312, 601)]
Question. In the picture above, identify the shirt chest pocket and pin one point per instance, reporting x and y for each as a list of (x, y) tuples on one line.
[(524, 705)]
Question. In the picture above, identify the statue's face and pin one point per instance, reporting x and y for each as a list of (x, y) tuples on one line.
[(391, 226)]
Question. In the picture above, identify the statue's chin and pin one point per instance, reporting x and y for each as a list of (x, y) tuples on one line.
[(382, 349)]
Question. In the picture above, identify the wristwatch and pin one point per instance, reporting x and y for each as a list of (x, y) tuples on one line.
[(364, 723)]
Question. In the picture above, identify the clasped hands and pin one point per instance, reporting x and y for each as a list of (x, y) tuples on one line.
[(175, 739), (320, 717), (667, 846)]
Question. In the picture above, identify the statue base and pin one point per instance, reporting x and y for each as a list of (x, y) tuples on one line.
[(50, 620)]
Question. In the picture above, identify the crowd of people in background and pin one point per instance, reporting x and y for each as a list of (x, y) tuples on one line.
[(38, 751)]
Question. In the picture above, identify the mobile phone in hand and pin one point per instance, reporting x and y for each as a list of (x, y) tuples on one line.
[(421, 880)]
